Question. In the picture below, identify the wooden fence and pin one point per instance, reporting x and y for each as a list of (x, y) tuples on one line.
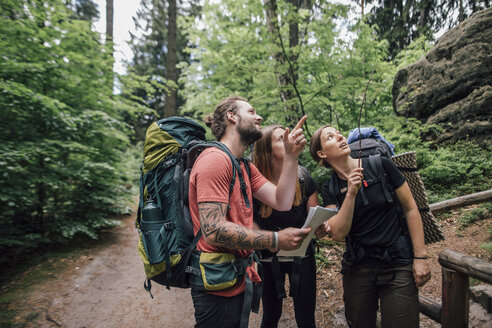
[(456, 270), (471, 199)]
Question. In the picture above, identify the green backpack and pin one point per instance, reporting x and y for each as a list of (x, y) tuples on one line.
[(166, 240)]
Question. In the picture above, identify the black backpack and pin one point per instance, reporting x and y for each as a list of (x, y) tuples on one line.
[(368, 147), (373, 148), (166, 238)]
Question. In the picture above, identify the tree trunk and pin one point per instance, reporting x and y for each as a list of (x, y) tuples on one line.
[(285, 77), (109, 20), (294, 40), (423, 18), (109, 34), (171, 96), (401, 24), (461, 15)]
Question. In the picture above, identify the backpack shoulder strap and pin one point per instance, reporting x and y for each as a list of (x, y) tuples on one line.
[(302, 174), (236, 169), (377, 166), (333, 187), (141, 200), (246, 162)]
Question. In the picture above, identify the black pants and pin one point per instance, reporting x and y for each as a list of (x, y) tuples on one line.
[(394, 288), (213, 311), (304, 302)]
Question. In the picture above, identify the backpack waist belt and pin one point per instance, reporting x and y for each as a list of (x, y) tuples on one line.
[(218, 271), (356, 252)]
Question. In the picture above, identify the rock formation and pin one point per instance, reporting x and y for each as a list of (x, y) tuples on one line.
[(452, 85)]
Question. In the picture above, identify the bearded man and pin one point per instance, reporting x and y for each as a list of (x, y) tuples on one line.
[(225, 219)]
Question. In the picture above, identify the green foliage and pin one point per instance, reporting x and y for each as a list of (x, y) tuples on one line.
[(487, 246), (64, 145), (234, 54), (472, 216), (456, 170), (229, 55), (84, 9), (413, 52), (476, 214), (487, 206), (401, 22)]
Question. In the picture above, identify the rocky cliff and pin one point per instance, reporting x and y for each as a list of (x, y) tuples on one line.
[(452, 85)]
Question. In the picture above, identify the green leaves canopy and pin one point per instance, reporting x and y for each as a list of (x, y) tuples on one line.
[(62, 137)]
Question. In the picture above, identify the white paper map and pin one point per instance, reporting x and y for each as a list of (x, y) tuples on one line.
[(316, 216)]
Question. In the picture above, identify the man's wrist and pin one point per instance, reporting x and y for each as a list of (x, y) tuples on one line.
[(275, 239)]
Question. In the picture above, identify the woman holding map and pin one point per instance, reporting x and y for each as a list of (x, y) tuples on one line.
[(268, 156), (385, 259)]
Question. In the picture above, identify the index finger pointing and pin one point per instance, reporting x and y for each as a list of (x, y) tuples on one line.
[(300, 123)]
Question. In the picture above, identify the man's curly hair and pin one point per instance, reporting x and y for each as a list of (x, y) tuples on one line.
[(217, 121)]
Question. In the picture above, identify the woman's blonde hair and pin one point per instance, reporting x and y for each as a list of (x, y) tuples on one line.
[(262, 159)]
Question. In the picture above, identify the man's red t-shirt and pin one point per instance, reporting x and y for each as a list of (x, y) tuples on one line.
[(209, 182)]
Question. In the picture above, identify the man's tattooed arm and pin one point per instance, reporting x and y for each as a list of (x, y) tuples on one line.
[(219, 232)]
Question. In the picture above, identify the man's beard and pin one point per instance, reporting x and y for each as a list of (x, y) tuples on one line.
[(248, 134)]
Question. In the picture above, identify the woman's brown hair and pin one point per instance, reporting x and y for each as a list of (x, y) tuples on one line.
[(262, 159), (315, 146)]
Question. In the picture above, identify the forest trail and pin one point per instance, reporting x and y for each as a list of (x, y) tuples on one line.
[(104, 288)]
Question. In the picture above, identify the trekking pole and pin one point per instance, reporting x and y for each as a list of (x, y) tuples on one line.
[(360, 114)]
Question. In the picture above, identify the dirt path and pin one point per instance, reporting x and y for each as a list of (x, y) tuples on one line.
[(105, 289)]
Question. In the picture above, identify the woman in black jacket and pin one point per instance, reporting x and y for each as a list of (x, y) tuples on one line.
[(385, 258)]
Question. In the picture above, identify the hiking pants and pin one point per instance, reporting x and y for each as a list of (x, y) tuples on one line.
[(212, 311), (394, 288), (304, 302)]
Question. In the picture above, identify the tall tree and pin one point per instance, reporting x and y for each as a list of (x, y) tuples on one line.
[(109, 20), (109, 30), (285, 54), (171, 76), (153, 50)]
